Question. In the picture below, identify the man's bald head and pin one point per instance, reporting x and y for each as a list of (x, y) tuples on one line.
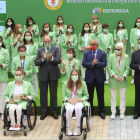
[(47, 40)]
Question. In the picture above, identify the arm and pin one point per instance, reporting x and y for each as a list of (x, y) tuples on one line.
[(6, 94), (133, 65), (131, 39), (125, 36), (25, 29), (63, 69), (63, 41), (103, 62), (111, 43), (30, 71), (36, 31), (85, 92), (109, 66), (6, 60), (126, 72), (79, 42), (100, 45), (55, 30), (64, 92), (53, 39), (99, 28), (32, 94), (77, 65), (35, 51), (13, 67), (40, 44), (38, 60), (115, 36), (85, 63), (57, 59), (74, 43)]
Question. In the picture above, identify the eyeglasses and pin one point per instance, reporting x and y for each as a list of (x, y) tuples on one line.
[(117, 49), (93, 44), (47, 41)]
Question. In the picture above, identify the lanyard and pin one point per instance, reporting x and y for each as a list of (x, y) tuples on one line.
[(22, 64), (74, 92), (119, 62)]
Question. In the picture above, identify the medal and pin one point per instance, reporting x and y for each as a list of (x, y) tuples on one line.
[(119, 71)]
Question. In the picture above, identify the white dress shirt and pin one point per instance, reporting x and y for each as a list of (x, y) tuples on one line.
[(138, 33), (105, 36), (120, 35), (27, 47), (86, 39)]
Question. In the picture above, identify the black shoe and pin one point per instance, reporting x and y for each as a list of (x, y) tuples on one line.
[(42, 117), (92, 113), (55, 116), (102, 115), (136, 115)]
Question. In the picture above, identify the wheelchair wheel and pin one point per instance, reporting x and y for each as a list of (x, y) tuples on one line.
[(4, 132), (89, 119), (60, 136), (31, 114), (25, 133), (84, 136)]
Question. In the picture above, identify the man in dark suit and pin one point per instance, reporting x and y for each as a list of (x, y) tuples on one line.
[(95, 61), (135, 65), (47, 59)]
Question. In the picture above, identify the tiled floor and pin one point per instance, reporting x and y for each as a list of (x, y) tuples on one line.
[(101, 129)]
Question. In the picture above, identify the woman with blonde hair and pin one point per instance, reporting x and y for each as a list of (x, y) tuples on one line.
[(118, 69), (95, 25), (74, 94), (16, 39)]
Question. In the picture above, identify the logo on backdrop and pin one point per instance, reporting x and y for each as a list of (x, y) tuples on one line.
[(53, 4), (100, 10)]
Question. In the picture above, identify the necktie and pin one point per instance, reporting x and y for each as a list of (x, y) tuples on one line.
[(93, 54), (48, 52)]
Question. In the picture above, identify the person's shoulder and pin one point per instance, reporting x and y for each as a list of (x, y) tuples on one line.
[(101, 51), (15, 58), (41, 49), (26, 83), (65, 83), (84, 83), (4, 50), (11, 83), (76, 60), (28, 57), (126, 55), (110, 34), (86, 52), (133, 29)]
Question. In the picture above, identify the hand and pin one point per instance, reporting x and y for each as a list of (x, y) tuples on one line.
[(122, 78), (60, 31), (22, 96), (68, 42), (19, 38), (116, 77), (106, 52), (82, 50), (79, 100), (96, 61), (33, 31), (71, 102), (64, 62), (134, 48), (73, 65), (1, 65), (21, 41), (12, 102), (50, 55), (24, 73), (44, 55)]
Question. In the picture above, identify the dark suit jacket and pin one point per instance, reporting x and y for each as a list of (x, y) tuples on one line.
[(135, 65), (96, 70), (50, 67)]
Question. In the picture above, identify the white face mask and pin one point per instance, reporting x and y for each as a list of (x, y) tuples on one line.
[(138, 24), (19, 78), (22, 53), (69, 56), (9, 23), (0, 43), (95, 20), (74, 78), (70, 30), (118, 52), (60, 21), (46, 29), (28, 38), (20, 30)]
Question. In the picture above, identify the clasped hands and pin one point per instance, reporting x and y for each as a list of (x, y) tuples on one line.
[(71, 102), (95, 61), (21, 96), (45, 55), (119, 79)]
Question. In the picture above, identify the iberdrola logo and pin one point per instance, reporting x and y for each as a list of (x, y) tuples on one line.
[(97, 10)]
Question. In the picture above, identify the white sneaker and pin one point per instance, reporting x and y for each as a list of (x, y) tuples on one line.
[(2, 116), (12, 128), (122, 116), (74, 118), (68, 131), (132, 82), (17, 128), (113, 116), (76, 131), (106, 82)]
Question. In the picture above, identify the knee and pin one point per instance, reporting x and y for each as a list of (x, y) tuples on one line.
[(11, 109), (19, 108), (69, 110), (77, 108)]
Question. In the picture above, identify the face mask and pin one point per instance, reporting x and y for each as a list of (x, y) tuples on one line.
[(86, 29), (22, 53), (92, 48), (60, 21), (138, 24), (46, 29), (120, 25), (70, 30), (47, 45), (95, 20), (105, 30), (0, 43), (74, 78), (28, 38), (19, 78), (117, 52), (9, 23), (20, 30), (69, 56), (30, 23)]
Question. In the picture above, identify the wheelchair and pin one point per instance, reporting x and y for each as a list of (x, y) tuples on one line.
[(86, 112), (30, 113)]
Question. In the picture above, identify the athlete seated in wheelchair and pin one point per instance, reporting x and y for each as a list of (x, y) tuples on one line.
[(75, 96), (19, 98)]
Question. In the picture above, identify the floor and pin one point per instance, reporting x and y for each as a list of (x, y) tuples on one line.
[(101, 129)]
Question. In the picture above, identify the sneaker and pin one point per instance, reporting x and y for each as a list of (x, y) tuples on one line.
[(11, 128), (17, 128), (113, 116), (68, 131), (2, 116), (122, 116), (74, 118), (132, 82), (106, 82), (76, 131)]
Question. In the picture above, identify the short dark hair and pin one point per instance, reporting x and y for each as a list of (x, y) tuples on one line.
[(105, 25), (73, 51), (21, 47), (138, 39)]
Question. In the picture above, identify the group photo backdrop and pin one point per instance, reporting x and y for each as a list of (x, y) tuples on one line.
[(78, 12)]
